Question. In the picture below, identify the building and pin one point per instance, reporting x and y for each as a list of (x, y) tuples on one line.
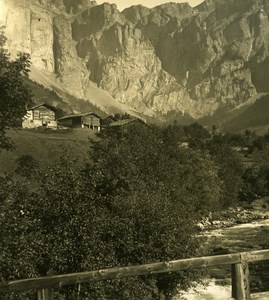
[(126, 123), (72, 121), (89, 120), (92, 121), (41, 115)]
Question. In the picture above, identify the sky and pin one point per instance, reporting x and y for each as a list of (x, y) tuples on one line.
[(122, 4)]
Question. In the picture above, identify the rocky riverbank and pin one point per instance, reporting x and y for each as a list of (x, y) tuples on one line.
[(248, 213), (234, 230)]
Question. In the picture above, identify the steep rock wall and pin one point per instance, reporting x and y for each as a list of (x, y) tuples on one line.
[(169, 58), (43, 29), (174, 57), (68, 67), (122, 59)]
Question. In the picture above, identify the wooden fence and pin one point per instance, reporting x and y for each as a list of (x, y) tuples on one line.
[(238, 261)]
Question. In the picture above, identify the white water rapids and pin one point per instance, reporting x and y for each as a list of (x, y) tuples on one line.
[(244, 237)]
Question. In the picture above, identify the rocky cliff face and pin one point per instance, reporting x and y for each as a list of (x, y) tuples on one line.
[(42, 28), (169, 58)]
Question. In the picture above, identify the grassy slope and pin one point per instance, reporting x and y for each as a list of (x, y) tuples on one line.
[(96, 99), (46, 146), (43, 95), (255, 117), (66, 104)]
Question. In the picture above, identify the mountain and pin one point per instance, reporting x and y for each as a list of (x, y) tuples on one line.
[(250, 117), (169, 60)]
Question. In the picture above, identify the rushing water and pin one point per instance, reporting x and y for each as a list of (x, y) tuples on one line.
[(245, 237)]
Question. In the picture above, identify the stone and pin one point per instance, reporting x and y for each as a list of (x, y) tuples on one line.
[(171, 58)]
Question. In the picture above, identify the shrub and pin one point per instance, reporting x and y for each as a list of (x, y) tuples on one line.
[(135, 203)]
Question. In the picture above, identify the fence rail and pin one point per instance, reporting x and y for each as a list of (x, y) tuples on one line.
[(238, 261)]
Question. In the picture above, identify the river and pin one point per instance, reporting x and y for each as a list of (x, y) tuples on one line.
[(244, 237)]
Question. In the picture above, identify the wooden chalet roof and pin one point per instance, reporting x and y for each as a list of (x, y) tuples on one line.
[(70, 117), (91, 113), (125, 122), (79, 116), (42, 104)]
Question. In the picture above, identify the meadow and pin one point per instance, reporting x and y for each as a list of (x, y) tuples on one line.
[(46, 146)]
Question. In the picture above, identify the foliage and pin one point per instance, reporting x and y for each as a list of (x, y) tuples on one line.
[(157, 193), (126, 160), (18, 233), (119, 116), (237, 140), (52, 231), (256, 175), (256, 180), (14, 94), (230, 169), (218, 148), (134, 203), (197, 135), (27, 166)]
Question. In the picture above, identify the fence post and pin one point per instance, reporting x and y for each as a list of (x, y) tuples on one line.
[(240, 281), (45, 294)]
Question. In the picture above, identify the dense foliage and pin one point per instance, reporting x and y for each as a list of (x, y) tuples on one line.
[(14, 95), (218, 147), (137, 201), (230, 169)]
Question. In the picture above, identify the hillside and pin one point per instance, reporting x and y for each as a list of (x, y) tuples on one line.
[(46, 146), (251, 117), (66, 104)]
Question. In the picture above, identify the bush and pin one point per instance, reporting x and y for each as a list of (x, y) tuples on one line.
[(27, 166), (230, 169), (14, 95), (135, 203)]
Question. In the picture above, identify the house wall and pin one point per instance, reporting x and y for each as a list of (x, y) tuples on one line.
[(28, 123), (92, 122), (66, 122), (41, 116), (43, 113), (74, 122)]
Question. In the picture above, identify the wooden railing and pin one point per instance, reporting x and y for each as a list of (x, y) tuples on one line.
[(238, 261)]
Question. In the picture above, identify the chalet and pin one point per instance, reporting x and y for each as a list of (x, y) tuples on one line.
[(41, 115), (89, 120), (92, 121), (73, 121), (126, 123)]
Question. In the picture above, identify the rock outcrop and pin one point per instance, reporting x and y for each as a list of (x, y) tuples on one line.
[(70, 70), (171, 58), (42, 29)]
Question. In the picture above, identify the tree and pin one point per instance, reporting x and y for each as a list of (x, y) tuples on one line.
[(136, 202), (14, 95), (197, 135), (156, 192), (54, 230), (230, 170)]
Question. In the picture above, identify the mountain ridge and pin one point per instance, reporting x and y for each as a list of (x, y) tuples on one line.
[(147, 61)]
